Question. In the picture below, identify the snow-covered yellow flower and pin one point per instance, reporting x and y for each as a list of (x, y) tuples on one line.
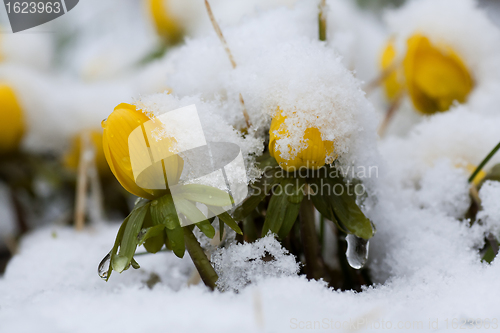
[(12, 125), (434, 75), (167, 26), (118, 149), (313, 156), (72, 157)]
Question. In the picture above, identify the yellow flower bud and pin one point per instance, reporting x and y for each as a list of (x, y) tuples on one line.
[(12, 124), (312, 157), (435, 77), (394, 82), (72, 157), (166, 25), (121, 153)]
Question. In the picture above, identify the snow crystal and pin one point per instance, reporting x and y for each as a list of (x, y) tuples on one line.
[(490, 213), (240, 264)]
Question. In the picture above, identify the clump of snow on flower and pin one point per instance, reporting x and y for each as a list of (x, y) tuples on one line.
[(490, 213), (281, 64), (241, 264)]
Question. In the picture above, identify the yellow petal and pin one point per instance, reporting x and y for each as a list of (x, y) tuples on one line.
[(436, 77), (12, 126), (311, 157), (166, 25), (394, 82), (127, 149)]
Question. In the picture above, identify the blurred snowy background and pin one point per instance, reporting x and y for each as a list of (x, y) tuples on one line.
[(425, 260)]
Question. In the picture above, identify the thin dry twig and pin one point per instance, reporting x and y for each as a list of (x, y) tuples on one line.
[(391, 111), (86, 156), (218, 31), (370, 87)]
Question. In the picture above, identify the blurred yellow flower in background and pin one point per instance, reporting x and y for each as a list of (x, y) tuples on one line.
[(72, 157), (117, 129), (12, 125), (434, 76), (394, 81), (311, 157), (167, 26)]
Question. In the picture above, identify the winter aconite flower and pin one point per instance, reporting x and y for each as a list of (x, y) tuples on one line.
[(433, 75), (12, 124), (121, 152), (313, 156), (166, 24)]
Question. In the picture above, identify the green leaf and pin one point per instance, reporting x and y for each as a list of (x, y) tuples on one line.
[(339, 205), (207, 228), (175, 239), (282, 212), (114, 250), (163, 212), (190, 211), (261, 189), (129, 241), (134, 264), (205, 194), (226, 218)]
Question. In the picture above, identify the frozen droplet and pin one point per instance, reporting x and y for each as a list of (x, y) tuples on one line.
[(357, 251), (103, 268)]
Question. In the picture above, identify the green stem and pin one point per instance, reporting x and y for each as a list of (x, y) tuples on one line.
[(200, 260), (309, 240), (322, 20), (483, 163)]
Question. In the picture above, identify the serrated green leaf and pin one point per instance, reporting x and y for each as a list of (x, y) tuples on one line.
[(205, 194), (114, 250), (163, 212)]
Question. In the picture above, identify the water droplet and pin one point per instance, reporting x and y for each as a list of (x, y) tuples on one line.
[(103, 123), (141, 234), (210, 196), (154, 202), (126, 163), (103, 268), (357, 251)]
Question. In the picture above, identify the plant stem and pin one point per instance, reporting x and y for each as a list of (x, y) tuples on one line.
[(200, 260), (309, 240), (483, 163), (322, 20)]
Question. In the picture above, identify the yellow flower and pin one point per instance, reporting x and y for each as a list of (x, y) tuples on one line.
[(166, 25), (394, 82), (434, 76), (129, 154), (12, 124), (311, 157), (72, 158)]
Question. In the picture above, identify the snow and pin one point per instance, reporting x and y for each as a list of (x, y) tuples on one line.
[(425, 257)]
